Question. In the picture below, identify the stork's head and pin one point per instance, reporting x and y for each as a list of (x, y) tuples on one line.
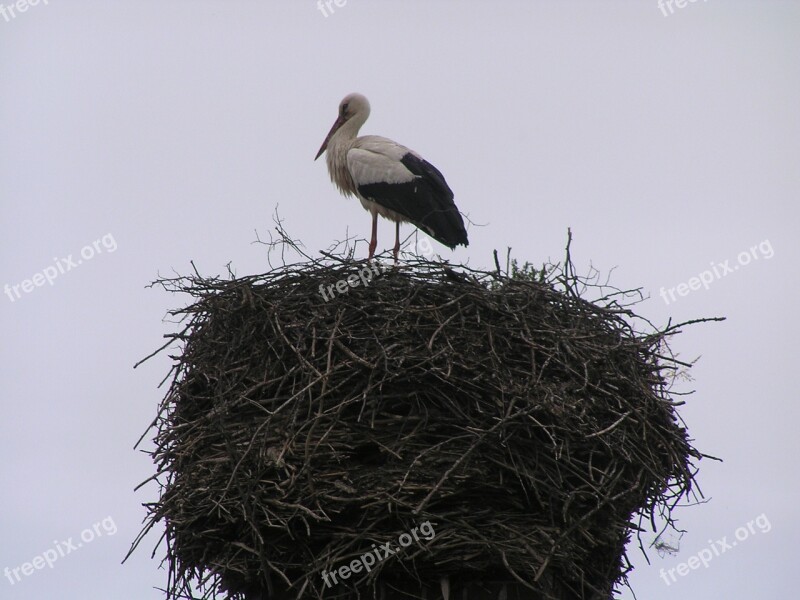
[(353, 110)]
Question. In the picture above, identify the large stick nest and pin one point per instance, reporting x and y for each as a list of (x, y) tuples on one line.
[(534, 430)]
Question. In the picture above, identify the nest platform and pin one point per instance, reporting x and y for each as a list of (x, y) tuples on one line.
[(533, 430)]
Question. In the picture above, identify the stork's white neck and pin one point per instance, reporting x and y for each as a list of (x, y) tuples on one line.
[(351, 127)]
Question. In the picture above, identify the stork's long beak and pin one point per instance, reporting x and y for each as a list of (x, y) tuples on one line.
[(338, 123)]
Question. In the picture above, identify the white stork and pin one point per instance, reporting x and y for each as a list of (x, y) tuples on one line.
[(389, 179)]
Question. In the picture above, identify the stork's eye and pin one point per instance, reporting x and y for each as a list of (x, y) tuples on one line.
[(344, 108)]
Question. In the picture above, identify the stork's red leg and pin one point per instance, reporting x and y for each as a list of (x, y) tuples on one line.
[(374, 241), (396, 240)]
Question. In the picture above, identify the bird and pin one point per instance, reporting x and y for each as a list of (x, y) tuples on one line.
[(389, 179)]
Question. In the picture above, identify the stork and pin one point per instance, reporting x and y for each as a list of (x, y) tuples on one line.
[(389, 179)]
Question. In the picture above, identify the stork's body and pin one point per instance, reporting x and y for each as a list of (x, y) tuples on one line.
[(389, 179)]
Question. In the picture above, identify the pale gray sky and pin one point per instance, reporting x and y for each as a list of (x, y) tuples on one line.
[(168, 131)]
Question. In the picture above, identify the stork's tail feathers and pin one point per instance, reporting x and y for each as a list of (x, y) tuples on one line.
[(446, 227)]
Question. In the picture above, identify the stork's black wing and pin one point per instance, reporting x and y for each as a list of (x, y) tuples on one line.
[(396, 178)]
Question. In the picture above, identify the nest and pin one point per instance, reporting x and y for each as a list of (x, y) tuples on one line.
[(308, 425)]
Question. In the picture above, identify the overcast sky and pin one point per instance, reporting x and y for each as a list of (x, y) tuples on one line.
[(136, 137)]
